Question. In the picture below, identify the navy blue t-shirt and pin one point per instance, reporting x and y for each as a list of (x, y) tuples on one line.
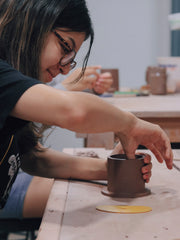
[(12, 86)]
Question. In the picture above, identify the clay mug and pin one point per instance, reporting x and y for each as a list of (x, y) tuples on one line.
[(125, 177)]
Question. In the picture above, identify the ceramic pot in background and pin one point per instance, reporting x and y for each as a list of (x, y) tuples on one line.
[(115, 74), (156, 78), (125, 177), (172, 65)]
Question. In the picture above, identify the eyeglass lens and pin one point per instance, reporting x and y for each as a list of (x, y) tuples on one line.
[(69, 57)]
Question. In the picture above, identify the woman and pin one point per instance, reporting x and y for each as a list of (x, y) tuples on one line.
[(40, 39), (29, 195)]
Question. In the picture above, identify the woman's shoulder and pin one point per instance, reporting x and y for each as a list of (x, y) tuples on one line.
[(6, 70), (4, 65), (8, 74), (13, 84)]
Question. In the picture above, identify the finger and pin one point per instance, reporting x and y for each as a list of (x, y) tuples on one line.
[(163, 152), (147, 168), (147, 157), (169, 163), (104, 83), (106, 75), (92, 71), (168, 155), (91, 74), (94, 67), (156, 153), (164, 147), (105, 80), (147, 177), (130, 155)]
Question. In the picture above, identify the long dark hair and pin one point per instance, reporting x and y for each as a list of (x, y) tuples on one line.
[(24, 25)]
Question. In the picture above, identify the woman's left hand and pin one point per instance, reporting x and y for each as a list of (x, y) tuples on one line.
[(146, 170), (87, 81), (103, 82)]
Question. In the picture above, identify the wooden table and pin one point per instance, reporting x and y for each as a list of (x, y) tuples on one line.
[(159, 109), (71, 210)]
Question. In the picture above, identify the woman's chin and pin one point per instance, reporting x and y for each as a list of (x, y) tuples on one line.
[(46, 78)]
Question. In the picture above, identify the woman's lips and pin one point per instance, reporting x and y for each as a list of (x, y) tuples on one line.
[(52, 75)]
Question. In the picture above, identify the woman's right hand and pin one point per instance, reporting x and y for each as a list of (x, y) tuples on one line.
[(146, 169), (149, 135), (103, 83)]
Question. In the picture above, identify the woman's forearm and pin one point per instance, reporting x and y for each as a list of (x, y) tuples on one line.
[(55, 164), (86, 113)]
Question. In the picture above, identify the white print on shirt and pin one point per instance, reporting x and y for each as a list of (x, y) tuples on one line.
[(14, 161)]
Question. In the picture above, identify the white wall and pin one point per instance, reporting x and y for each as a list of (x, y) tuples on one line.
[(129, 35)]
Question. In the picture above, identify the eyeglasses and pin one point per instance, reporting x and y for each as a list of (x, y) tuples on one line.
[(70, 53)]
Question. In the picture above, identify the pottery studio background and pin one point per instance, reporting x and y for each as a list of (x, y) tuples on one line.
[(129, 35)]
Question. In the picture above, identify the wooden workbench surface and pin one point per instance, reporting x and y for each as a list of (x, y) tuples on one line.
[(71, 210), (149, 106)]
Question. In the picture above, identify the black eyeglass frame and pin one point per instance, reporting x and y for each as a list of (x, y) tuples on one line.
[(67, 49)]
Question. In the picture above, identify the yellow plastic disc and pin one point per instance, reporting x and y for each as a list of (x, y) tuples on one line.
[(123, 209)]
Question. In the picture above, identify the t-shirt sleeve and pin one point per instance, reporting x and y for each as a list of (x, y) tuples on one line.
[(12, 86)]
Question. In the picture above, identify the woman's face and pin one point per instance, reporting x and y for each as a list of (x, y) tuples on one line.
[(53, 51)]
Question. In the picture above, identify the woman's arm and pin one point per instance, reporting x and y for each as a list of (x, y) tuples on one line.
[(54, 164), (76, 111), (86, 113)]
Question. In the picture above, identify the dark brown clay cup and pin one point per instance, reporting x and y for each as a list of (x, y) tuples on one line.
[(125, 177)]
